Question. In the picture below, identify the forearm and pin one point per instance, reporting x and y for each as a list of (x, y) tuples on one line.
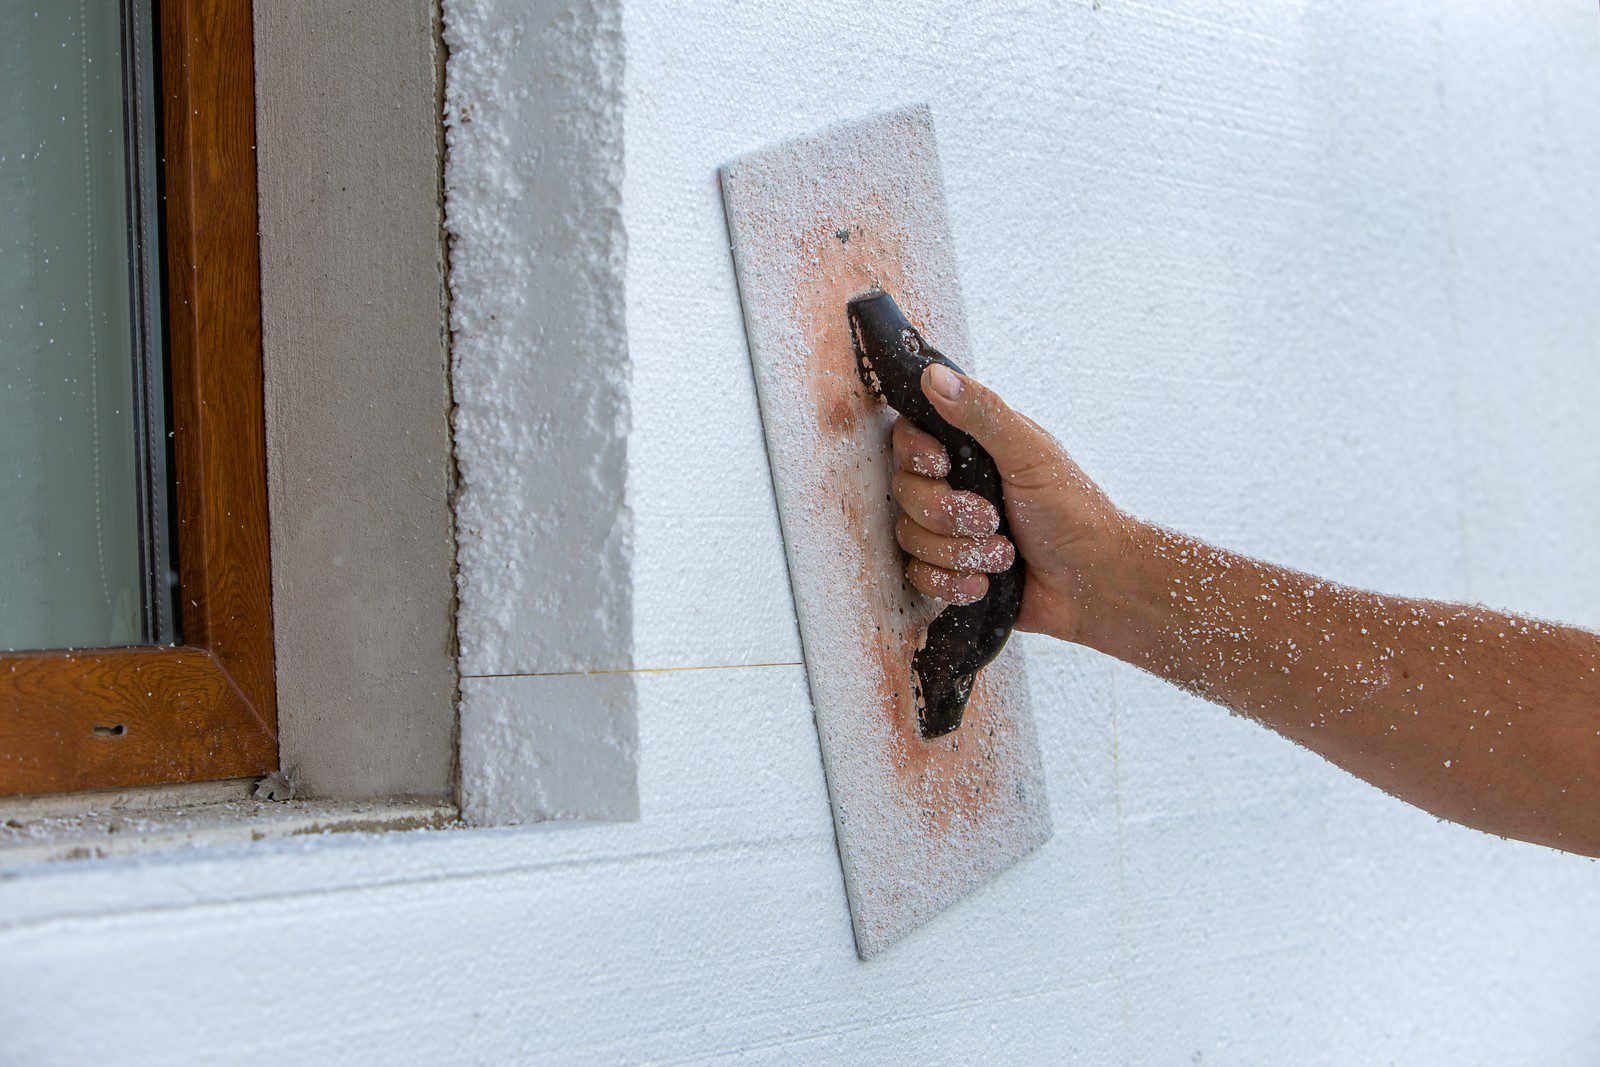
[(1479, 717)]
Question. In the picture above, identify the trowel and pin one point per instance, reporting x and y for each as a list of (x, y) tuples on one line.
[(848, 283)]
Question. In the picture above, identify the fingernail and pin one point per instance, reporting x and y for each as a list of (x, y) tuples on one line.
[(945, 382)]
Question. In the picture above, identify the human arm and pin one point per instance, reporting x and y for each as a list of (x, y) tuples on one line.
[(1481, 717)]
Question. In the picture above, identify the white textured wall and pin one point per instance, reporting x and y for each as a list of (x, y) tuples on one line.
[(534, 114), (1317, 282)]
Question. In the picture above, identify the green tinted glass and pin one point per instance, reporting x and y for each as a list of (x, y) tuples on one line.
[(84, 555)]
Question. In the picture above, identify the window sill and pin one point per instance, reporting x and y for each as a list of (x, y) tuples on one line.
[(38, 830)]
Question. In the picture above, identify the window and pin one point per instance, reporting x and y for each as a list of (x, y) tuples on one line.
[(135, 618)]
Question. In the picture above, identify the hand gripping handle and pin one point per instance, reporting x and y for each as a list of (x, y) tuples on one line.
[(890, 357)]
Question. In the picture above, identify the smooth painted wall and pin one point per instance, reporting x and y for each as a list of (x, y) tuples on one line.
[(1315, 281)]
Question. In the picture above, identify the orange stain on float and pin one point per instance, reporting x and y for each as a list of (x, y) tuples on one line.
[(944, 779)]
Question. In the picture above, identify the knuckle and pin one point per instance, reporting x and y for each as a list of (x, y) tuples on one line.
[(990, 555), (965, 554), (1040, 471), (930, 464), (971, 515), (928, 508), (941, 583), (922, 577), (987, 406), (909, 535), (967, 588), (901, 486)]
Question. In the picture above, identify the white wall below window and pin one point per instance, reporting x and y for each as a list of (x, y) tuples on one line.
[(1316, 282)]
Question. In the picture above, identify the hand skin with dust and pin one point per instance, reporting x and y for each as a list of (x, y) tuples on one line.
[(1481, 717)]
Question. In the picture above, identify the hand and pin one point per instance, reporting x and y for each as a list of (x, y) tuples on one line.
[(1069, 533)]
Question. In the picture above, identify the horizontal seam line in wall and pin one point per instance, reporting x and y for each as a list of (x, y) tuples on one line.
[(223, 900), (636, 670)]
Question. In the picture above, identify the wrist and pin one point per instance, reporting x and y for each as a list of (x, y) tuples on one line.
[(1115, 601)]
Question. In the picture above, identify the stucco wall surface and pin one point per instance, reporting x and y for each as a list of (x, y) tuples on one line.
[(534, 118), (1315, 281)]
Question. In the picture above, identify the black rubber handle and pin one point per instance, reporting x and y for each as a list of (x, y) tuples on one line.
[(891, 356)]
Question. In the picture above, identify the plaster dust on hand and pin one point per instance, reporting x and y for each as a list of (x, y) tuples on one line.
[(815, 222)]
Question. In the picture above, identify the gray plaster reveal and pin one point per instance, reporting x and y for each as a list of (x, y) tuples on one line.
[(357, 395)]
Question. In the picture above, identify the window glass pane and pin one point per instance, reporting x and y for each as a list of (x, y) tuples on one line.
[(83, 559)]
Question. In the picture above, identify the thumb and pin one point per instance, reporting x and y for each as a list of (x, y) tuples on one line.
[(1016, 443)]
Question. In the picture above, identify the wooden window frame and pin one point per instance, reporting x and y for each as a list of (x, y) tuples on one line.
[(111, 718)]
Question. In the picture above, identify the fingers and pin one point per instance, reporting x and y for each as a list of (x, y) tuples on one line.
[(946, 585), (949, 534), (1020, 448), (934, 505), (991, 554), (918, 452)]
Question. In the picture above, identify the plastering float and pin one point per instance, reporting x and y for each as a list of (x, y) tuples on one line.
[(848, 283)]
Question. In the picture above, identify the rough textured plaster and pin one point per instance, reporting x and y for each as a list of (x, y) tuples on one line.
[(534, 122), (1314, 280), (561, 746), (358, 447)]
